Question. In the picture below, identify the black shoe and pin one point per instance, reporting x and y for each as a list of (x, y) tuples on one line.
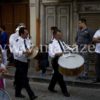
[(96, 81), (79, 78), (85, 78), (82, 77), (33, 97), (52, 90), (66, 94), (20, 96)]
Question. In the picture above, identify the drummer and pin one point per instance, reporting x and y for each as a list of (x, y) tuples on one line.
[(56, 49)]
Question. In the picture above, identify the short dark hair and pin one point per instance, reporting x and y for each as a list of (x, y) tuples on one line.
[(21, 30), (55, 32), (83, 20), (54, 28)]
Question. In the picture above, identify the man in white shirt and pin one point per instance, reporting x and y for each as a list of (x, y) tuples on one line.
[(96, 40), (21, 51), (56, 49), (12, 40), (14, 37)]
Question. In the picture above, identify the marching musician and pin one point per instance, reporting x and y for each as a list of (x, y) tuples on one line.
[(21, 52), (14, 36), (56, 49)]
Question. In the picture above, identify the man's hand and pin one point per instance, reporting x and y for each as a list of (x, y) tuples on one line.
[(98, 38), (28, 52)]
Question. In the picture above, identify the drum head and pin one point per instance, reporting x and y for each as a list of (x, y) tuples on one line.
[(71, 61), (4, 95)]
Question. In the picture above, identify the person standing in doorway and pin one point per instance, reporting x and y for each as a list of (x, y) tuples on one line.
[(83, 40)]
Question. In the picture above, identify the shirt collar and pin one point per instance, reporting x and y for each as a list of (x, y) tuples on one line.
[(20, 38), (55, 40), (84, 29)]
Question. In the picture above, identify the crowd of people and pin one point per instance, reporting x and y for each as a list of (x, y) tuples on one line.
[(20, 46)]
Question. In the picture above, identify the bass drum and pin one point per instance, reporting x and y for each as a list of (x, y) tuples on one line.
[(71, 64)]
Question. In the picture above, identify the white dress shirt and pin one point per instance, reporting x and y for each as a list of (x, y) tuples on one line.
[(96, 35), (12, 40), (19, 48), (55, 48)]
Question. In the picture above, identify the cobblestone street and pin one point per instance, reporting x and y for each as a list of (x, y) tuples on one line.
[(40, 89)]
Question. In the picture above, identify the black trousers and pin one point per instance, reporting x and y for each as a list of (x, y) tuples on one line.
[(57, 77), (21, 79), (97, 66)]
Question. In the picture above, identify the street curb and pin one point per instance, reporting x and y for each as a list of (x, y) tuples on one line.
[(68, 82)]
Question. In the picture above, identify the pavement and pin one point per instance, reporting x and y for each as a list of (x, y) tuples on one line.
[(40, 89), (70, 80)]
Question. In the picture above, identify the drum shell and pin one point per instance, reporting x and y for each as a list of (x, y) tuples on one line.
[(71, 64), (70, 72)]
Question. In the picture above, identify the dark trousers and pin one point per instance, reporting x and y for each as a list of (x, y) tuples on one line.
[(97, 66), (57, 77), (21, 79)]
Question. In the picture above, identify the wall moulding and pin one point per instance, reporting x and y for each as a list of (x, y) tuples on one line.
[(89, 7)]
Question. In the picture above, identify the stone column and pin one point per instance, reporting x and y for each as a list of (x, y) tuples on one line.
[(32, 6), (75, 19), (37, 22)]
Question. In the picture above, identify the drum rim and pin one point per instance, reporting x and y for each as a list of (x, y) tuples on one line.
[(68, 67)]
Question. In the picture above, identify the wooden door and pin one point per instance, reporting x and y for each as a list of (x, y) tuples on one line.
[(21, 14), (50, 21), (56, 16), (12, 14), (63, 21), (7, 17)]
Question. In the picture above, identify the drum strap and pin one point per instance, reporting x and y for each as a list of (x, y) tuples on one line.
[(61, 46)]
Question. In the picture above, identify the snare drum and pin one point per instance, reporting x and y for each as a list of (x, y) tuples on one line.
[(71, 64)]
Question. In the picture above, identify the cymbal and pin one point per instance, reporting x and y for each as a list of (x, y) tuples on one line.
[(34, 52)]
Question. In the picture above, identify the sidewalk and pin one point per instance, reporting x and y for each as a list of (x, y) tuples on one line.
[(72, 81)]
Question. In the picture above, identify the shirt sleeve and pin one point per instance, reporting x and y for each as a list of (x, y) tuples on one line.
[(11, 43), (17, 50), (96, 34), (68, 47), (76, 37), (51, 52), (4, 38), (91, 33)]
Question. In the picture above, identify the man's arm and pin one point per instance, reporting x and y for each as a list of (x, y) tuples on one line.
[(96, 40), (96, 37)]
